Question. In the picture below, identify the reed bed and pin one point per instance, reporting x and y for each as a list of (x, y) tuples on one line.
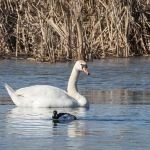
[(61, 30)]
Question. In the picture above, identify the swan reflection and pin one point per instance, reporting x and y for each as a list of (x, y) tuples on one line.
[(38, 122)]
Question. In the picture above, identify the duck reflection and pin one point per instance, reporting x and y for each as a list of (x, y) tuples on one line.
[(76, 127), (57, 122)]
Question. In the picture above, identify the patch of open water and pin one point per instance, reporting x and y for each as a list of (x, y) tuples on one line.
[(118, 117)]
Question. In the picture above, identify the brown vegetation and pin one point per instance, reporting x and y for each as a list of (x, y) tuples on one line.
[(51, 30)]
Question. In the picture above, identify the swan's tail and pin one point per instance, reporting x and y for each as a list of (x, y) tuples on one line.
[(11, 93), (9, 89), (17, 99)]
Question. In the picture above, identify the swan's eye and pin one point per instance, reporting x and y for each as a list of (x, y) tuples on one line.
[(84, 66)]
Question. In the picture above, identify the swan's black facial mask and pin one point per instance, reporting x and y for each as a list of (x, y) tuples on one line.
[(84, 66)]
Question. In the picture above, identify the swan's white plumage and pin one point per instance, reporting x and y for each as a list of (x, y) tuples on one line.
[(49, 96)]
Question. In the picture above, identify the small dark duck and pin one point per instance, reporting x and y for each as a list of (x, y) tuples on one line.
[(62, 116)]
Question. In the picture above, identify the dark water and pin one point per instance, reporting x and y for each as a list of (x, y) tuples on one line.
[(118, 118)]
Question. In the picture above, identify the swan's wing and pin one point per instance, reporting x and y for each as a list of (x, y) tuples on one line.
[(39, 91), (33, 90), (46, 96)]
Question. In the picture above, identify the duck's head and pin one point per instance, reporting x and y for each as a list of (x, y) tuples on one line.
[(54, 113), (82, 66)]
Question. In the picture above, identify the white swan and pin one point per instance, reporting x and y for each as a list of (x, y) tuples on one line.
[(49, 96)]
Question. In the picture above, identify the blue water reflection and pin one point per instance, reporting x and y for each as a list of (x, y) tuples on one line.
[(105, 126)]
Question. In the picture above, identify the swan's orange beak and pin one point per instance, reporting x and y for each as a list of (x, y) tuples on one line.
[(85, 70)]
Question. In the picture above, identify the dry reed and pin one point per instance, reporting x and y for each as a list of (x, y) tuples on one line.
[(60, 30)]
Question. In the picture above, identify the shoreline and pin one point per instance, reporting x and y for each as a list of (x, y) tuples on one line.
[(33, 59)]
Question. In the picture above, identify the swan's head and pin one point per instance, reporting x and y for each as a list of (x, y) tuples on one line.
[(82, 66)]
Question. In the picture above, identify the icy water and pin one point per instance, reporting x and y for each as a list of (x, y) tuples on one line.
[(118, 117)]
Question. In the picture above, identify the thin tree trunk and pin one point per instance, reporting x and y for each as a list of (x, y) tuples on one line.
[(126, 33), (80, 40), (17, 29), (102, 43), (69, 52)]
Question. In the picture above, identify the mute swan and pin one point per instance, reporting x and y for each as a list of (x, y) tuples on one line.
[(50, 96)]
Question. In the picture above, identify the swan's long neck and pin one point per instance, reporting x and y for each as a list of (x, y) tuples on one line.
[(72, 83), (73, 91)]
